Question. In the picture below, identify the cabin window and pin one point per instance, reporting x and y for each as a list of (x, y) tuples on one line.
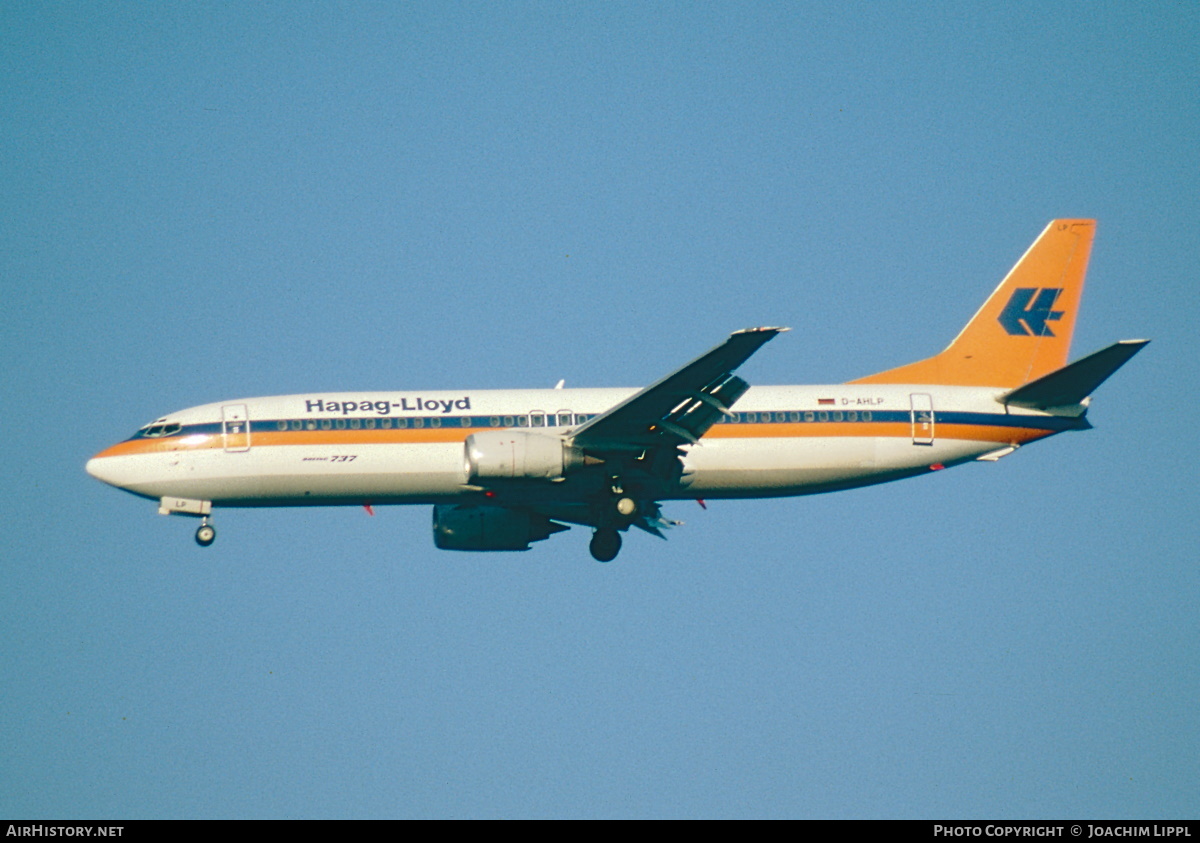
[(465, 421), (369, 424), (386, 424), (435, 422), (418, 422), (522, 421), (866, 415), (326, 424), (537, 419)]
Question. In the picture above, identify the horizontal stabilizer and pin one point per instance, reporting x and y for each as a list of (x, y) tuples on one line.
[(1071, 384)]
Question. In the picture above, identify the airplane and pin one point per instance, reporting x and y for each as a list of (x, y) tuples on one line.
[(506, 468)]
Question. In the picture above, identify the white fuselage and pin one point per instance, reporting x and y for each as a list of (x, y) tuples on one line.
[(407, 447)]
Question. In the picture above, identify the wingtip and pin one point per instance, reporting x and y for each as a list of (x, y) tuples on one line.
[(763, 330)]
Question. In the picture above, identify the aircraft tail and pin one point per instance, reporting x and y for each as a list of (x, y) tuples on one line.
[(1023, 331)]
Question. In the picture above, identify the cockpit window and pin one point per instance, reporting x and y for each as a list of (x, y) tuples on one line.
[(159, 429)]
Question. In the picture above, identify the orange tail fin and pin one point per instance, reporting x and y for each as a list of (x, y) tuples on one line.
[(1023, 331)]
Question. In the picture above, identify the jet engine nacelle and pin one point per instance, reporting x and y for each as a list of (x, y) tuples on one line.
[(519, 455), (489, 528)]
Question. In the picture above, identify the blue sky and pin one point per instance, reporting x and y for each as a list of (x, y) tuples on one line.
[(211, 201)]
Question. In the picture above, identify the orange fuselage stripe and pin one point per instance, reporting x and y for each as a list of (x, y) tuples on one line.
[(810, 430)]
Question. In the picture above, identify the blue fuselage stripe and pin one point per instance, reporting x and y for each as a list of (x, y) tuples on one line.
[(805, 418)]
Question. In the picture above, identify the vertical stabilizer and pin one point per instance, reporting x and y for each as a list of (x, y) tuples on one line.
[(1023, 331)]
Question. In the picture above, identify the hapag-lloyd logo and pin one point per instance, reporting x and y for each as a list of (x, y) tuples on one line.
[(1028, 311), (385, 408)]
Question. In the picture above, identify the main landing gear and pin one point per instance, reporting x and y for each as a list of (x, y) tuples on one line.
[(605, 544), (205, 533), (621, 510)]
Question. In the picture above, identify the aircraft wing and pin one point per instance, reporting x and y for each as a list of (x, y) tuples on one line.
[(681, 407)]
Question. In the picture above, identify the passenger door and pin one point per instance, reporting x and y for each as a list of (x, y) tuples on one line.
[(235, 427)]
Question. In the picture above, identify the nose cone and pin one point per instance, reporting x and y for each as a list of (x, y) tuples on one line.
[(115, 467), (101, 468), (138, 474)]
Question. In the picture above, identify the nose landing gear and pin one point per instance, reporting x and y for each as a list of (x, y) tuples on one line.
[(205, 533)]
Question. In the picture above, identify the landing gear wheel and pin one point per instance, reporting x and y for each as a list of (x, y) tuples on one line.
[(205, 535), (605, 545)]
